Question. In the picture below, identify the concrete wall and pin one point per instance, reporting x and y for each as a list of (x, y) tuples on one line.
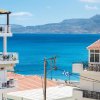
[(77, 95), (16, 98), (3, 92), (3, 75), (86, 82), (21, 98)]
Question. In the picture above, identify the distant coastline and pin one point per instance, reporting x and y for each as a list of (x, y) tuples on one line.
[(70, 26)]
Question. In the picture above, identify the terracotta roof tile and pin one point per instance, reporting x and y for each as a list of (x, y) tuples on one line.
[(95, 45), (29, 82)]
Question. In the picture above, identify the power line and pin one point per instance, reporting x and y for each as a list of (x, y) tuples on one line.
[(55, 68), (82, 77)]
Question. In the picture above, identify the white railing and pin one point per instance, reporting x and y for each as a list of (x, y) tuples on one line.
[(5, 29), (8, 57), (9, 84)]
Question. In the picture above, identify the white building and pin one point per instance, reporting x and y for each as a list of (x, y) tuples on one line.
[(53, 93), (7, 59), (90, 76)]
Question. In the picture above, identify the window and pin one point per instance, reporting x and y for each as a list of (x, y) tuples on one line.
[(91, 94), (91, 51), (91, 57), (96, 51), (94, 55)]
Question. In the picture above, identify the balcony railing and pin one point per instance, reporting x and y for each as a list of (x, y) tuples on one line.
[(94, 67), (5, 29), (9, 84), (9, 57), (91, 94)]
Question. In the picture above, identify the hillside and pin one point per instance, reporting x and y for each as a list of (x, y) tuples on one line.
[(91, 25)]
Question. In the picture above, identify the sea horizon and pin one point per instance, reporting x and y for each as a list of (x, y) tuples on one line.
[(60, 33)]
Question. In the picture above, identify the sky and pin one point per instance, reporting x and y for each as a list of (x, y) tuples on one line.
[(38, 12)]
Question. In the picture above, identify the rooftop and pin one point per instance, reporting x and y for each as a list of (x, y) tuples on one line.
[(53, 93), (30, 82), (95, 45), (4, 11)]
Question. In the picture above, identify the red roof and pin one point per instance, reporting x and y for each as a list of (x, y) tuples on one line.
[(95, 45), (29, 82)]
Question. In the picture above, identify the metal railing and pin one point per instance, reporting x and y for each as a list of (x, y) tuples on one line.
[(5, 29), (9, 84), (95, 67), (91, 94), (9, 57), (90, 67)]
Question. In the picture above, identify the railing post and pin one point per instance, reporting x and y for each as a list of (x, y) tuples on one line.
[(7, 23), (4, 45)]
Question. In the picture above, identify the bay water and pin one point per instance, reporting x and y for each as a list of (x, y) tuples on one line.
[(33, 48)]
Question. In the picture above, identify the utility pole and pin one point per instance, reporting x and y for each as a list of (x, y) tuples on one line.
[(45, 78), (45, 73)]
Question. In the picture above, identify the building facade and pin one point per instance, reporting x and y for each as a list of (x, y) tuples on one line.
[(7, 59), (89, 88)]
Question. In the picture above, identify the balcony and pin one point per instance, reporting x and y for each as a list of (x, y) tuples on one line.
[(9, 84), (10, 58), (91, 94), (94, 67), (5, 30), (79, 67)]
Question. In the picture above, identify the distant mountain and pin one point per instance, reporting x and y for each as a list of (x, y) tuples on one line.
[(91, 25)]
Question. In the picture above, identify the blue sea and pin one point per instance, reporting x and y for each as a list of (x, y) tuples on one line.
[(33, 48)]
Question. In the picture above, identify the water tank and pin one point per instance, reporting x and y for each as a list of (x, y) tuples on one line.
[(77, 67)]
